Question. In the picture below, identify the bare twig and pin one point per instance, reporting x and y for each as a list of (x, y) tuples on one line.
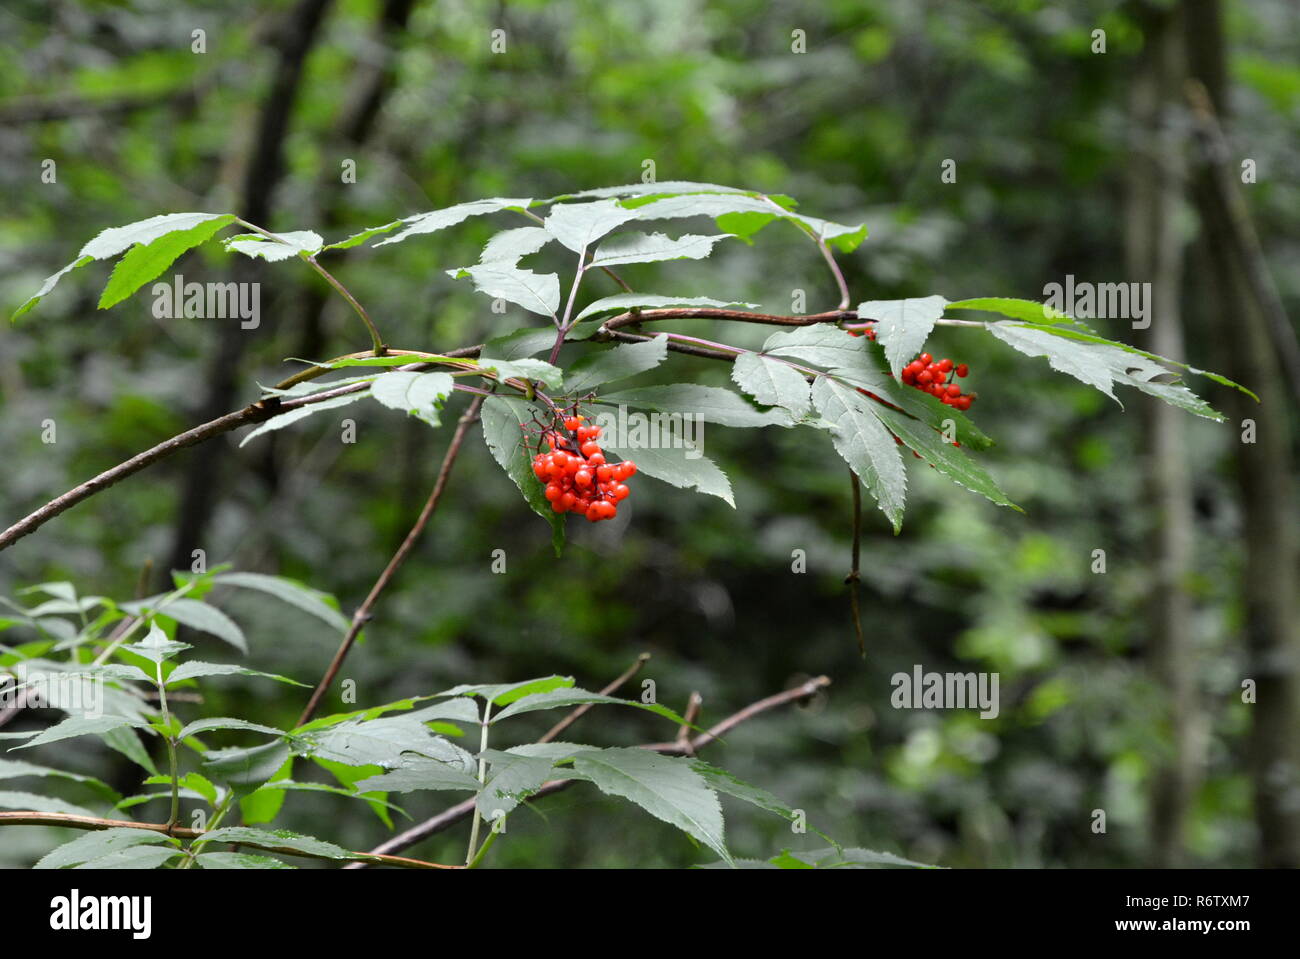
[(363, 613)]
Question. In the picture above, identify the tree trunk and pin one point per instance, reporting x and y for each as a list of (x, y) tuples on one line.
[(1154, 254), (1264, 466)]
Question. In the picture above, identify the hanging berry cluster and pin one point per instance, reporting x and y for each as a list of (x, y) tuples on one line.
[(577, 478), (938, 378)]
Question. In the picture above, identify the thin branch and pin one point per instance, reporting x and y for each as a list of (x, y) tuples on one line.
[(363, 613), (855, 573), (451, 816), (835, 272), (711, 313), (34, 818)]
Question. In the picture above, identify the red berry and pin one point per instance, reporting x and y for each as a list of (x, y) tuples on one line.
[(582, 477), (590, 449), (945, 365), (621, 492), (954, 389), (926, 359), (925, 377), (962, 369)]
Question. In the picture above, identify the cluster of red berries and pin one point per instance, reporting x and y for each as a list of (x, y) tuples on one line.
[(937, 377), (577, 478), (932, 376)]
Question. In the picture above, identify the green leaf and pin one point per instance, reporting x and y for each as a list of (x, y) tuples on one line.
[(281, 420), (439, 219), (96, 844), (126, 741), (145, 262), (503, 419), (239, 860), (518, 773), (627, 301), (666, 188), (224, 722), (284, 246), (1100, 364), (114, 240), (16, 769), (206, 619), (654, 247), (865, 445), (521, 343), (421, 774), (822, 344), (578, 225), (719, 780), (380, 742), (525, 369), (510, 246), (711, 404), (247, 769), (155, 646), (536, 292), (420, 394), (357, 239), (36, 803), (745, 215), (1029, 310), (773, 383), (903, 326), (682, 466), (1070, 334), (136, 857), (275, 839), (502, 694), (943, 456), (557, 698), (664, 786), (75, 726), (624, 360), (195, 670), (321, 605)]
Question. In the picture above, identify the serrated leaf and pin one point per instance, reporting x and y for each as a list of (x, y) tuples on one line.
[(624, 360), (510, 246), (1029, 310), (667, 188), (281, 420), (711, 404), (578, 225), (745, 215), (520, 343), (943, 456), (664, 786), (682, 466), (719, 780), (116, 239), (126, 741), (239, 860), (419, 394), (16, 769), (195, 670), (652, 248), (773, 383), (865, 445), (224, 722), (38, 803), (821, 344), (557, 698), (189, 783), (381, 742), (627, 301), (419, 775), (525, 368), (284, 246), (75, 726), (247, 769), (155, 646), (93, 845), (147, 261), (903, 326), (516, 774), (309, 600), (357, 239), (137, 857), (503, 694), (275, 839), (440, 219), (535, 292), (207, 619), (502, 419)]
